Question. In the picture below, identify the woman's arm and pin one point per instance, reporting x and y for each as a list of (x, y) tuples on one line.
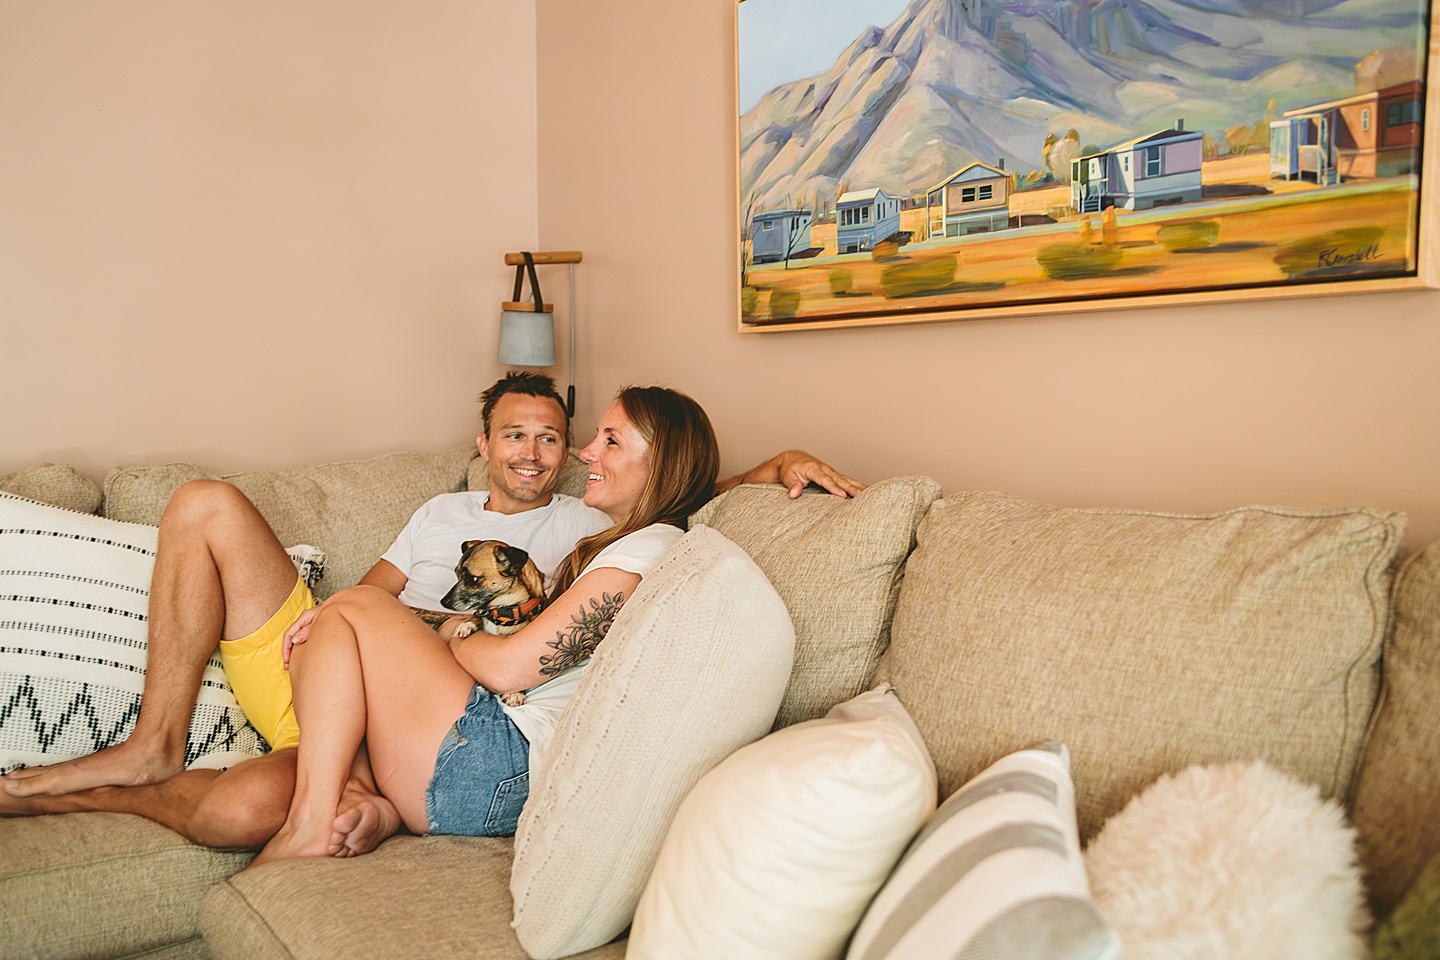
[(564, 635)]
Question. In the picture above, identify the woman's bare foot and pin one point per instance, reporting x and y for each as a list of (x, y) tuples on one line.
[(23, 806), (297, 840), (126, 764), (364, 820)]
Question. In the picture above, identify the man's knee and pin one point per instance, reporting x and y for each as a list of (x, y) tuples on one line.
[(248, 804), (204, 501)]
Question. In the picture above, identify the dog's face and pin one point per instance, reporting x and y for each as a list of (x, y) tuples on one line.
[(492, 574)]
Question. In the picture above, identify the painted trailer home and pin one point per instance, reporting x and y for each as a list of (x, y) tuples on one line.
[(975, 199), (1159, 168), (779, 235), (1375, 134), (865, 217)]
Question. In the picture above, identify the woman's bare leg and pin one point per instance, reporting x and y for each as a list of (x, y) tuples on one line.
[(364, 818), (370, 670)]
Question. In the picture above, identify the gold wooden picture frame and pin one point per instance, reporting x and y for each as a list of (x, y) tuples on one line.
[(917, 160)]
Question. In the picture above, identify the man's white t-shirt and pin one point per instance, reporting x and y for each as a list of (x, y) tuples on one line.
[(428, 549), (539, 715)]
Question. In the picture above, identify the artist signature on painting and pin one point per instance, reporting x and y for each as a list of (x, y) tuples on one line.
[(1334, 258)]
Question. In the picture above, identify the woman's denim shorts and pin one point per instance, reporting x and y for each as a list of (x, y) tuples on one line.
[(482, 773)]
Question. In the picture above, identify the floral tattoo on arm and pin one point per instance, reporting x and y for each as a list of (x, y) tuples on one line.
[(576, 644)]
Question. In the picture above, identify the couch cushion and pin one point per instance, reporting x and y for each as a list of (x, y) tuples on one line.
[(1397, 796), (1145, 642), (694, 667), (442, 898), (54, 483), (102, 885), (836, 564), (350, 511)]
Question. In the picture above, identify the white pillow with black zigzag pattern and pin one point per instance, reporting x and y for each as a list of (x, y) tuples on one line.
[(73, 626)]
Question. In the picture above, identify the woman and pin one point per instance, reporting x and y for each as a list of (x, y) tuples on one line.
[(371, 672)]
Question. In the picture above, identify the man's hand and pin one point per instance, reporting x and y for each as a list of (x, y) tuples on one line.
[(794, 469)]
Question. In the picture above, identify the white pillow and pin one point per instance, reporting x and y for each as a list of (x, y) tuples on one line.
[(694, 666), (74, 589), (1237, 861), (996, 873), (776, 852)]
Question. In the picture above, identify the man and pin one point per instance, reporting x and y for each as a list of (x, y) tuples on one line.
[(222, 578)]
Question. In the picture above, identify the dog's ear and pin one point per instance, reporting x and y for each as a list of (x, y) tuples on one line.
[(511, 560), (468, 545)]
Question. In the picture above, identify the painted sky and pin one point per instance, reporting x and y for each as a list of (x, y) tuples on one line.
[(783, 40)]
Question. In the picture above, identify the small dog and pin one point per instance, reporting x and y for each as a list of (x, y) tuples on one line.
[(502, 589)]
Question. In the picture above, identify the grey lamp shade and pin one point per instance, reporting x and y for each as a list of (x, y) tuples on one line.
[(527, 338)]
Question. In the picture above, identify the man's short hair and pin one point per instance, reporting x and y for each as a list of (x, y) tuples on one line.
[(524, 383)]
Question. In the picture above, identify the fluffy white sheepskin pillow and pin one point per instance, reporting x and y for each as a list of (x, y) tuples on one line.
[(1230, 862)]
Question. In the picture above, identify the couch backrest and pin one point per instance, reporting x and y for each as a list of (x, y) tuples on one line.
[(351, 511), (1146, 642), (836, 564), (57, 484), (1397, 792)]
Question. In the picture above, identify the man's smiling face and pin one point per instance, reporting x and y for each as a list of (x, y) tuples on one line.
[(525, 449)]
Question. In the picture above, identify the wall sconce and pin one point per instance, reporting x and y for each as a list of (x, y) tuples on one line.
[(527, 327)]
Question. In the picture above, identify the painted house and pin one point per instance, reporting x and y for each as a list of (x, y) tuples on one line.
[(1375, 134), (779, 235), (1149, 171), (865, 217), (975, 199)]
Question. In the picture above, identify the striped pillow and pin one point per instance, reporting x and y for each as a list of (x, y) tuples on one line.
[(73, 627), (996, 872)]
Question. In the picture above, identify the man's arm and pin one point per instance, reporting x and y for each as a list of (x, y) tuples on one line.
[(386, 576), (794, 469)]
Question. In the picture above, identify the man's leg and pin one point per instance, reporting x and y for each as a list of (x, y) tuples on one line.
[(238, 808), (220, 573)]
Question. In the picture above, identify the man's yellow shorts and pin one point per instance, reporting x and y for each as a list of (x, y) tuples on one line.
[(255, 667)]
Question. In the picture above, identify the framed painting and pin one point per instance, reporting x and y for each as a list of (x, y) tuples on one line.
[(906, 160)]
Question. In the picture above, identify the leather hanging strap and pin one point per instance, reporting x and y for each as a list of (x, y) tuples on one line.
[(520, 271)]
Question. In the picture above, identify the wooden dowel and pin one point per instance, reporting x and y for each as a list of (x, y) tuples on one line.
[(563, 256)]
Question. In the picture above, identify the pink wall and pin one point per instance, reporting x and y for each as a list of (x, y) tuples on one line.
[(256, 234), (1316, 401), (263, 234)]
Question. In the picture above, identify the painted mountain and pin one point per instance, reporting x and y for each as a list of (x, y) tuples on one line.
[(950, 82)]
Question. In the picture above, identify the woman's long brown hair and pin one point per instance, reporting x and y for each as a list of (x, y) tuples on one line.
[(684, 461)]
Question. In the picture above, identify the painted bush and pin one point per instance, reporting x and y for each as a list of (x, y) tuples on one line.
[(1189, 235), (919, 276), (1077, 261)]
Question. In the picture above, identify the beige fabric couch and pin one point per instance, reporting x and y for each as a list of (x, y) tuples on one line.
[(1145, 641)]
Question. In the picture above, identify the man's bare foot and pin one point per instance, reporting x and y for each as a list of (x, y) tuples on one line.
[(364, 819), (126, 764)]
